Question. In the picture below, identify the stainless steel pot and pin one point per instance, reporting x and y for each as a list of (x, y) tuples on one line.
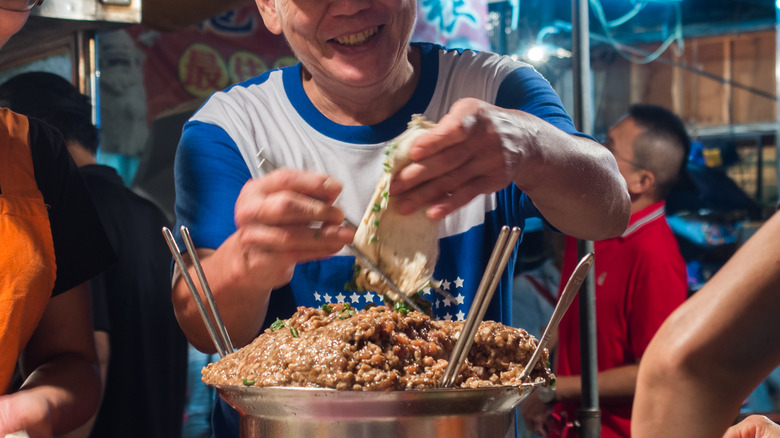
[(327, 413)]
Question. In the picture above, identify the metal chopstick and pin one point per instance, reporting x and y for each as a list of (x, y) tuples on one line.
[(487, 286), (221, 329), (356, 251), (224, 346)]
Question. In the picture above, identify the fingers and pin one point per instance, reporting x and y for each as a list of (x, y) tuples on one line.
[(289, 197), (317, 186), (754, 426), (314, 242), (446, 194), (455, 127), (463, 156), (444, 168), (287, 217)]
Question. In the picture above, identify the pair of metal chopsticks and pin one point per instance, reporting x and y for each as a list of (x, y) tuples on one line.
[(214, 324), (360, 255), (487, 286)]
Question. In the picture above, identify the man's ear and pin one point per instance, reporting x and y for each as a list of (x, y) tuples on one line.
[(640, 181), (267, 10), (646, 180)]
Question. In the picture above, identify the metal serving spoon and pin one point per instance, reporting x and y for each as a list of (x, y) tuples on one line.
[(567, 296)]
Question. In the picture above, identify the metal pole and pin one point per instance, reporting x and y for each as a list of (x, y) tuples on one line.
[(589, 414)]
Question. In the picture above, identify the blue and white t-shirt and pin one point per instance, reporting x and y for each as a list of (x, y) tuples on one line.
[(218, 151)]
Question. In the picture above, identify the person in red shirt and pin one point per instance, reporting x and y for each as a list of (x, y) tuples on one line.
[(640, 279)]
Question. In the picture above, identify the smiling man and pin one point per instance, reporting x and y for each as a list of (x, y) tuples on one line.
[(503, 150)]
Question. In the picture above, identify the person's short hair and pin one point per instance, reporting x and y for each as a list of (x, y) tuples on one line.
[(53, 99), (663, 147)]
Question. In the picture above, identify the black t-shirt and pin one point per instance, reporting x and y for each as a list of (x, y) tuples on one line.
[(81, 248), (146, 382)]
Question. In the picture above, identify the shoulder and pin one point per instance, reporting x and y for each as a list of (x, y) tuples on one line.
[(51, 161), (232, 102), (484, 65)]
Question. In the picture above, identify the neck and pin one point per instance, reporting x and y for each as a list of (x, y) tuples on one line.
[(641, 203), (81, 156), (352, 106)]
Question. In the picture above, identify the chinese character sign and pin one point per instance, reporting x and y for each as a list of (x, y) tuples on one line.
[(453, 23)]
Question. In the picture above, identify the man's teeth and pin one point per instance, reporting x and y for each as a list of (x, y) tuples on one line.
[(357, 38)]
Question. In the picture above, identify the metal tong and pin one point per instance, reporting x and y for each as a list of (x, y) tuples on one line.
[(360, 255), (487, 286), (214, 324), (567, 296)]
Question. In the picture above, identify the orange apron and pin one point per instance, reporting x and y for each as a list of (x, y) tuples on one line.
[(27, 264)]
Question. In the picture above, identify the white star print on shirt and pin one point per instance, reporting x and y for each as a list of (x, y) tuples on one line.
[(317, 296), (354, 297), (445, 285), (461, 298), (369, 297), (340, 298), (448, 302), (459, 282), (460, 315), (326, 297), (447, 316)]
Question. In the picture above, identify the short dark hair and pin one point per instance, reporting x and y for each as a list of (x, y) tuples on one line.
[(663, 147), (53, 99)]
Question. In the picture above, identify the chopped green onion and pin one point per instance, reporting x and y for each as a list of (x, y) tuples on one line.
[(346, 306), (373, 239), (276, 325), (326, 307), (349, 312), (386, 195), (350, 285), (294, 332), (376, 222), (248, 382), (376, 208)]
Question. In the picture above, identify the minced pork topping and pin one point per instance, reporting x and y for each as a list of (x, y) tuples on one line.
[(375, 349)]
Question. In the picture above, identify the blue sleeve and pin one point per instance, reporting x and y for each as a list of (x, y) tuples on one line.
[(527, 90), (209, 173)]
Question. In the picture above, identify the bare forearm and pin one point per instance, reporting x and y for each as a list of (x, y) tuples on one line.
[(70, 385), (576, 185), (241, 302), (616, 385), (716, 348)]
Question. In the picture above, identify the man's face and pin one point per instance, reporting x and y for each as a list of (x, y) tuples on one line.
[(10, 23), (357, 43), (620, 141)]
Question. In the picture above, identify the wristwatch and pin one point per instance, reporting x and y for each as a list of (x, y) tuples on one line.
[(547, 394)]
